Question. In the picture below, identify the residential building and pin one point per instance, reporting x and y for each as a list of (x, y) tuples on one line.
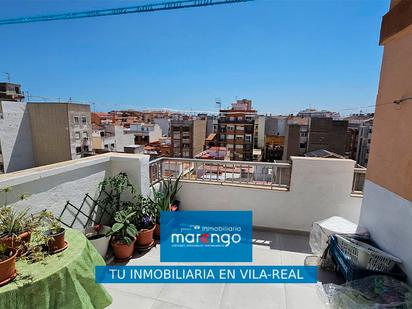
[(313, 113), (60, 131), (387, 204), (259, 132), (322, 153), (145, 133), (364, 142), (111, 138), (293, 138), (236, 130), (16, 151), (188, 136), (274, 137), (11, 92), (328, 134)]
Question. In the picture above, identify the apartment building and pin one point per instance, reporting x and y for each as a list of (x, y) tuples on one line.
[(15, 137), (364, 142), (111, 138), (145, 133), (11, 92), (60, 131), (236, 130), (328, 134), (188, 136), (101, 118)]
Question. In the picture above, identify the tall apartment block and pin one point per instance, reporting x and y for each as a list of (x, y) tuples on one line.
[(60, 131), (236, 130), (188, 137)]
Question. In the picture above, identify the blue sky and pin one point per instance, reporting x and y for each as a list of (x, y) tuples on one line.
[(284, 55)]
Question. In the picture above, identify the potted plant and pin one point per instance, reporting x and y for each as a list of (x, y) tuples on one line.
[(7, 263), (123, 233), (97, 235), (146, 219), (15, 226), (164, 199), (117, 193), (55, 232)]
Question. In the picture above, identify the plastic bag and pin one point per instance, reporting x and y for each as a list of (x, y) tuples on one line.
[(369, 292), (321, 231)]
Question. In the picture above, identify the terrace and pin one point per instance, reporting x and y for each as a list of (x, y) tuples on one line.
[(286, 198)]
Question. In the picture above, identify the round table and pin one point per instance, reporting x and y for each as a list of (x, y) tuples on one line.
[(62, 280)]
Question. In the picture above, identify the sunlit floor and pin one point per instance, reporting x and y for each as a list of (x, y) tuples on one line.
[(269, 249)]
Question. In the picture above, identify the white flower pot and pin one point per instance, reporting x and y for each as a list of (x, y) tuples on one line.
[(101, 244)]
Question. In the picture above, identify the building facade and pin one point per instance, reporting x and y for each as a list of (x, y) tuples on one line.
[(145, 133), (60, 131), (187, 137), (236, 128)]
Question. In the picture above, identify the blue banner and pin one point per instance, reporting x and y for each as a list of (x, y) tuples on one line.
[(206, 236), (206, 274)]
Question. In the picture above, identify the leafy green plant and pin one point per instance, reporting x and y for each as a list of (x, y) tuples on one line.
[(14, 222), (48, 221), (146, 211), (123, 229), (165, 196), (4, 250), (114, 189)]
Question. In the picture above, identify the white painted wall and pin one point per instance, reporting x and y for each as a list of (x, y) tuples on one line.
[(15, 137), (320, 188), (50, 186), (388, 218)]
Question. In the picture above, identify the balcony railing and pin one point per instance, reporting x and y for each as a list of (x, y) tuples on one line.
[(358, 180), (240, 173)]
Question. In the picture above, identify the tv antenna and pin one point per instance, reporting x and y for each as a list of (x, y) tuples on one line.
[(7, 76), (218, 102)]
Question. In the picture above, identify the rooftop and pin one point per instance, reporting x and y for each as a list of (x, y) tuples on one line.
[(270, 248)]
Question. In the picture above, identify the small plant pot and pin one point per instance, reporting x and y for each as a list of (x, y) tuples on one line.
[(122, 251), (56, 241), (8, 267), (145, 237), (15, 242), (98, 239), (156, 232)]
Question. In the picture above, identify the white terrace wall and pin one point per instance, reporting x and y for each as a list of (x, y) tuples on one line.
[(320, 188), (50, 186)]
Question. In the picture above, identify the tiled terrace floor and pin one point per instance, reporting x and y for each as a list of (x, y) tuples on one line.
[(269, 249)]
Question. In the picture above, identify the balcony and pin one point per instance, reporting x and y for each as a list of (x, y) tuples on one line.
[(286, 198)]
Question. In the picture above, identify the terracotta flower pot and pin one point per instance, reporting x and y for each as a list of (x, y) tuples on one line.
[(15, 242), (156, 232), (121, 250), (8, 267), (145, 237), (56, 241)]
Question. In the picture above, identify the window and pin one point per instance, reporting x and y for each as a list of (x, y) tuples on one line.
[(248, 138), (230, 128), (85, 135), (230, 136), (229, 145), (240, 128), (76, 119), (78, 150), (86, 148), (239, 146), (186, 154), (232, 118), (106, 146), (84, 120), (239, 137), (77, 135), (112, 146)]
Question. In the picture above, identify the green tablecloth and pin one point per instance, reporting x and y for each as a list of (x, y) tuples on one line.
[(64, 280)]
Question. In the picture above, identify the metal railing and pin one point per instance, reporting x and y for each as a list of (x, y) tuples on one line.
[(240, 173), (358, 180)]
